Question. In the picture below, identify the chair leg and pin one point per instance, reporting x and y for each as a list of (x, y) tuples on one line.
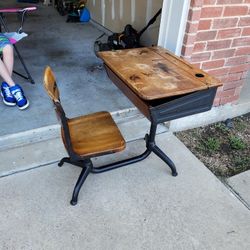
[(65, 159), (84, 173), (78, 163), (28, 77)]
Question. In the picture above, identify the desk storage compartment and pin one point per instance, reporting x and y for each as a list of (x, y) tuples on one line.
[(170, 108), (180, 106)]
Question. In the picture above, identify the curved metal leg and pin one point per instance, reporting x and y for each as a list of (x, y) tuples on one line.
[(79, 163), (122, 163), (150, 139), (82, 177), (165, 158), (65, 159)]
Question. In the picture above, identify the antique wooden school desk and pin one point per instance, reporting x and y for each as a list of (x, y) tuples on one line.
[(162, 86)]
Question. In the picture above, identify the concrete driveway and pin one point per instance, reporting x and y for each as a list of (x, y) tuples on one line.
[(136, 207)]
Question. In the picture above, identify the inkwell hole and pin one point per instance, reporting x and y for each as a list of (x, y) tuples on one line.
[(199, 75)]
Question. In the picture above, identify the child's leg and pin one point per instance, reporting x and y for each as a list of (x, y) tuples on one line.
[(8, 98), (4, 72), (12, 93), (8, 58)]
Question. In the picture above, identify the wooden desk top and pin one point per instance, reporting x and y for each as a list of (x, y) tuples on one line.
[(154, 72)]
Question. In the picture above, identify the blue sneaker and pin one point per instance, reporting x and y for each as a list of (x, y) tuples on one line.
[(21, 100), (8, 98)]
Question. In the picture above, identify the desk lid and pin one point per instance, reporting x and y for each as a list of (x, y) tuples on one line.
[(154, 72)]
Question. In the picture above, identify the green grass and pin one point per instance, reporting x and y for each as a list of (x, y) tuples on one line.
[(222, 127), (210, 145), (237, 143)]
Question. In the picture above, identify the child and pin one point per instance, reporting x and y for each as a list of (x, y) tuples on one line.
[(12, 93)]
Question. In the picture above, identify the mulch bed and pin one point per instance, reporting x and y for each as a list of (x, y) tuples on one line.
[(223, 147)]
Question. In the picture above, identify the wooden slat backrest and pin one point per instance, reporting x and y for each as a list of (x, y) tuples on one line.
[(50, 84), (53, 92)]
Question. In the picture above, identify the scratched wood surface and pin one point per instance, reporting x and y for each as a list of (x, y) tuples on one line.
[(154, 72)]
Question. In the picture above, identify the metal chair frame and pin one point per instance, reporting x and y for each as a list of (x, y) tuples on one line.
[(83, 161)]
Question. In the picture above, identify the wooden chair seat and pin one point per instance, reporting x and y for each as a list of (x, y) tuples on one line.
[(95, 134)]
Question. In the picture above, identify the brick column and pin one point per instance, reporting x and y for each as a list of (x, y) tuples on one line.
[(217, 39)]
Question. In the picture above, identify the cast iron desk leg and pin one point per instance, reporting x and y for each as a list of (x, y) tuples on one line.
[(151, 147), (150, 139)]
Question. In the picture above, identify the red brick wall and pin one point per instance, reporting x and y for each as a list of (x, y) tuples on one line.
[(217, 39)]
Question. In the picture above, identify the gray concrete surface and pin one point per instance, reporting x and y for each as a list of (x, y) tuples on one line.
[(68, 49), (137, 207), (245, 92), (241, 184)]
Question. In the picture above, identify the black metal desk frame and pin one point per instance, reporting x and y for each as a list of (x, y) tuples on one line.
[(159, 111), (156, 111)]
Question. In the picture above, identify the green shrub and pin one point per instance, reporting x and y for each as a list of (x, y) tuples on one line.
[(236, 143), (222, 127), (211, 145)]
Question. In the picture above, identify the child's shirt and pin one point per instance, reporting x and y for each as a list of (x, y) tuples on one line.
[(3, 41)]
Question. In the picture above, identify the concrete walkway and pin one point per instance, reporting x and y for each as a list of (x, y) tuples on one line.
[(240, 183), (137, 207)]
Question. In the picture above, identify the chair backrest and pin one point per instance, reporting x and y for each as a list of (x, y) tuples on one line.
[(50, 85), (53, 92)]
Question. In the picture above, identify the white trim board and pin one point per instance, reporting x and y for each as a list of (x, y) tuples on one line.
[(173, 24)]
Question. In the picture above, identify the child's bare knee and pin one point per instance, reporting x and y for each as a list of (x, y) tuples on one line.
[(8, 48)]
